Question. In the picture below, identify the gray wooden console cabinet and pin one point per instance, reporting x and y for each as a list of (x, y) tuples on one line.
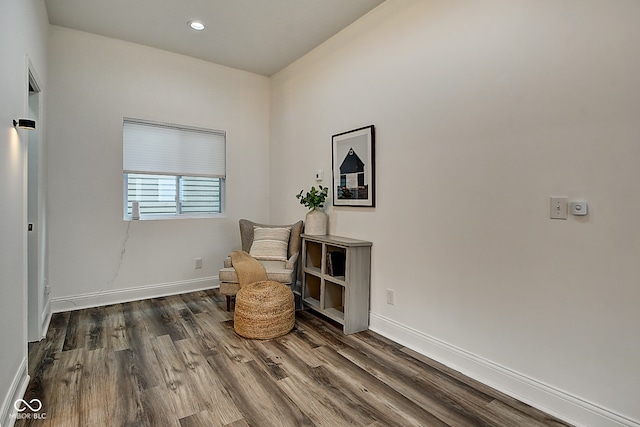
[(336, 274)]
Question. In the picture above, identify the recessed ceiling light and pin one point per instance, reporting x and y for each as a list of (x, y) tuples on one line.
[(196, 25)]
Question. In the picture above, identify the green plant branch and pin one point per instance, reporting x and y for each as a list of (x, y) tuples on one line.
[(314, 198)]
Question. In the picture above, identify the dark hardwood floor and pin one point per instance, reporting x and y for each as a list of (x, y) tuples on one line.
[(176, 361)]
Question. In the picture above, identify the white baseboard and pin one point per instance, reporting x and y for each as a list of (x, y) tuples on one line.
[(116, 296), (555, 402), (19, 385)]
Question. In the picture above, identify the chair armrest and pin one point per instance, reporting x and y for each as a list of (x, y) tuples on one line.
[(291, 262), (227, 262)]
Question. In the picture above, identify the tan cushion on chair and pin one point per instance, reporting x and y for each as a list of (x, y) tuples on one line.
[(270, 244), (229, 288), (276, 271)]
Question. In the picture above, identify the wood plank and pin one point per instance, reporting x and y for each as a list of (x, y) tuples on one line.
[(115, 328), (185, 399), (201, 419), (95, 332), (321, 330), (320, 408), (239, 423), (139, 337), (506, 415), (218, 405), (222, 337), (144, 313), (128, 407), (159, 407), (62, 391), (271, 361), (299, 347), (260, 400), (98, 393), (299, 330), (160, 318), (206, 340), (198, 302), (76, 331), (166, 310)]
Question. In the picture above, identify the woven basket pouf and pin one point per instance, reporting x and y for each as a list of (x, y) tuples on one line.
[(264, 310)]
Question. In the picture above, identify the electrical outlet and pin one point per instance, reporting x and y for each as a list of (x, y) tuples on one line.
[(198, 263), (390, 297)]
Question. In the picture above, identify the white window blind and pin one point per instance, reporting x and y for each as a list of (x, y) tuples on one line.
[(160, 148), (172, 170)]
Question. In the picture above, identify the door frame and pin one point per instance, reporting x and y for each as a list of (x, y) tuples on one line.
[(38, 305)]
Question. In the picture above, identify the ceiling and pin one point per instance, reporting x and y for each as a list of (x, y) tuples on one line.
[(260, 36)]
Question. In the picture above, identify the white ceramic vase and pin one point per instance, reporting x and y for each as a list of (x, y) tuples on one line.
[(316, 222)]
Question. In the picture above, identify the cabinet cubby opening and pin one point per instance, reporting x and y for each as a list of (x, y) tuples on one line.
[(312, 290), (314, 255), (336, 262), (334, 299)]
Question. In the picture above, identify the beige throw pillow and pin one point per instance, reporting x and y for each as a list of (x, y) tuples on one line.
[(270, 244)]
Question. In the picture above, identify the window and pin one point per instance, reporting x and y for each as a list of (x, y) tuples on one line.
[(172, 170)]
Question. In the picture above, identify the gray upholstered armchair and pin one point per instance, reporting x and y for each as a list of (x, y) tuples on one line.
[(283, 271)]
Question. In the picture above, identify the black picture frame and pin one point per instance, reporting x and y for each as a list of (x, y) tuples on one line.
[(353, 167)]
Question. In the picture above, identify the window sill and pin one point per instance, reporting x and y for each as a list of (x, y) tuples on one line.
[(175, 217)]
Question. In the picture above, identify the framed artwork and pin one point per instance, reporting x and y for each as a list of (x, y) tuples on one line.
[(353, 160)]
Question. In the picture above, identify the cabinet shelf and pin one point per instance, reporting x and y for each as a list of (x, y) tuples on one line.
[(313, 270), (338, 280), (334, 314), (311, 302), (335, 279)]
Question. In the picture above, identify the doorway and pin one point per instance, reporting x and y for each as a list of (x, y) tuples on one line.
[(38, 308)]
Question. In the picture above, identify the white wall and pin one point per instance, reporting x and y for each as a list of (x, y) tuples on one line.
[(23, 31), (95, 82), (483, 110)]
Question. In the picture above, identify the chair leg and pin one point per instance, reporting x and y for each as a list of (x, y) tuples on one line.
[(228, 302)]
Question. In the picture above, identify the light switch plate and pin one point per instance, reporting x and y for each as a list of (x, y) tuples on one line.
[(558, 208)]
